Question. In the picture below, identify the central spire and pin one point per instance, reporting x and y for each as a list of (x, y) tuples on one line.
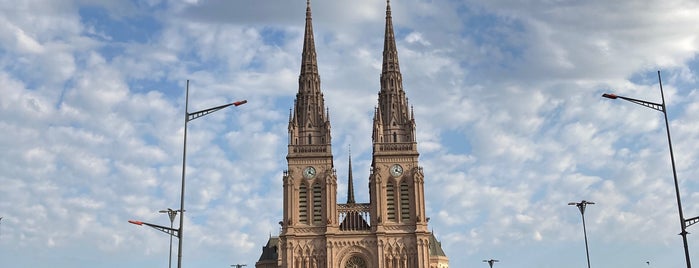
[(350, 184)]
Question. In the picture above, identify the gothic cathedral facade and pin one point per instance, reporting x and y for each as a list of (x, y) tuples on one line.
[(388, 232)]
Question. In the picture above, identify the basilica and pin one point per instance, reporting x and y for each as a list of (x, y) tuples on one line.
[(391, 231)]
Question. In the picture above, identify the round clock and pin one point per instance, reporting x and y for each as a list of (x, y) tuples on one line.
[(396, 170), (309, 172)]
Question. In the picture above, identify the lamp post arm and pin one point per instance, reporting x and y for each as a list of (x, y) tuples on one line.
[(655, 106), (689, 222), (164, 229), (197, 114)]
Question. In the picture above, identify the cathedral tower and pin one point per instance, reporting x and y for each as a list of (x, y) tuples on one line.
[(310, 183), (396, 181)]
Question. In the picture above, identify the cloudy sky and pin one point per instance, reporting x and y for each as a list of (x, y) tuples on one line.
[(511, 125)]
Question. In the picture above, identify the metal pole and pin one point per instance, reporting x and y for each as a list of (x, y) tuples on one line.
[(184, 162), (587, 251), (581, 206), (169, 259), (674, 174)]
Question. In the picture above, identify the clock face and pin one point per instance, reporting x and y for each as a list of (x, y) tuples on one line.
[(309, 172), (396, 170)]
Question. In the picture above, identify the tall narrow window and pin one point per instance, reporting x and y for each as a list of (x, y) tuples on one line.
[(303, 204), (391, 201), (404, 202), (395, 137), (309, 138), (317, 205)]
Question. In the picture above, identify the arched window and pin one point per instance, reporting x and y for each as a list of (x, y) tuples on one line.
[(317, 205), (390, 201), (404, 202), (303, 203), (355, 262), (309, 138), (395, 137)]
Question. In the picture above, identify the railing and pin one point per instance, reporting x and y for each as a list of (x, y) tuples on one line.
[(389, 147), (309, 148), (354, 217)]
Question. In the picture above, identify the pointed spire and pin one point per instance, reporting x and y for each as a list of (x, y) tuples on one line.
[(394, 124), (390, 52), (350, 184), (309, 62), (309, 125)]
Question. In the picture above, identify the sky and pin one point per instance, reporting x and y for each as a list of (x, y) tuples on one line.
[(511, 125)]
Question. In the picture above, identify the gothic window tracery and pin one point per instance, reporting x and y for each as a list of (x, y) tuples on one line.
[(355, 262)]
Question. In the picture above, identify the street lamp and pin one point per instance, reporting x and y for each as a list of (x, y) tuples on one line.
[(684, 223), (189, 117), (490, 262), (171, 214), (581, 206)]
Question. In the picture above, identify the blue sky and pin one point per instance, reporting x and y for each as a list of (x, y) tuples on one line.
[(507, 97)]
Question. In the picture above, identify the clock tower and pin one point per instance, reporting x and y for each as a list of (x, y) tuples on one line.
[(310, 183), (396, 182)]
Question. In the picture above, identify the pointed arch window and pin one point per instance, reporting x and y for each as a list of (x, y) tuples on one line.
[(395, 137), (390, 201), (404, 201), (303, 203), (317, 204)]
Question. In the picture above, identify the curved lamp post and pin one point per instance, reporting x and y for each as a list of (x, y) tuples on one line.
[(187, 117), (684, 223), (581, 205)]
